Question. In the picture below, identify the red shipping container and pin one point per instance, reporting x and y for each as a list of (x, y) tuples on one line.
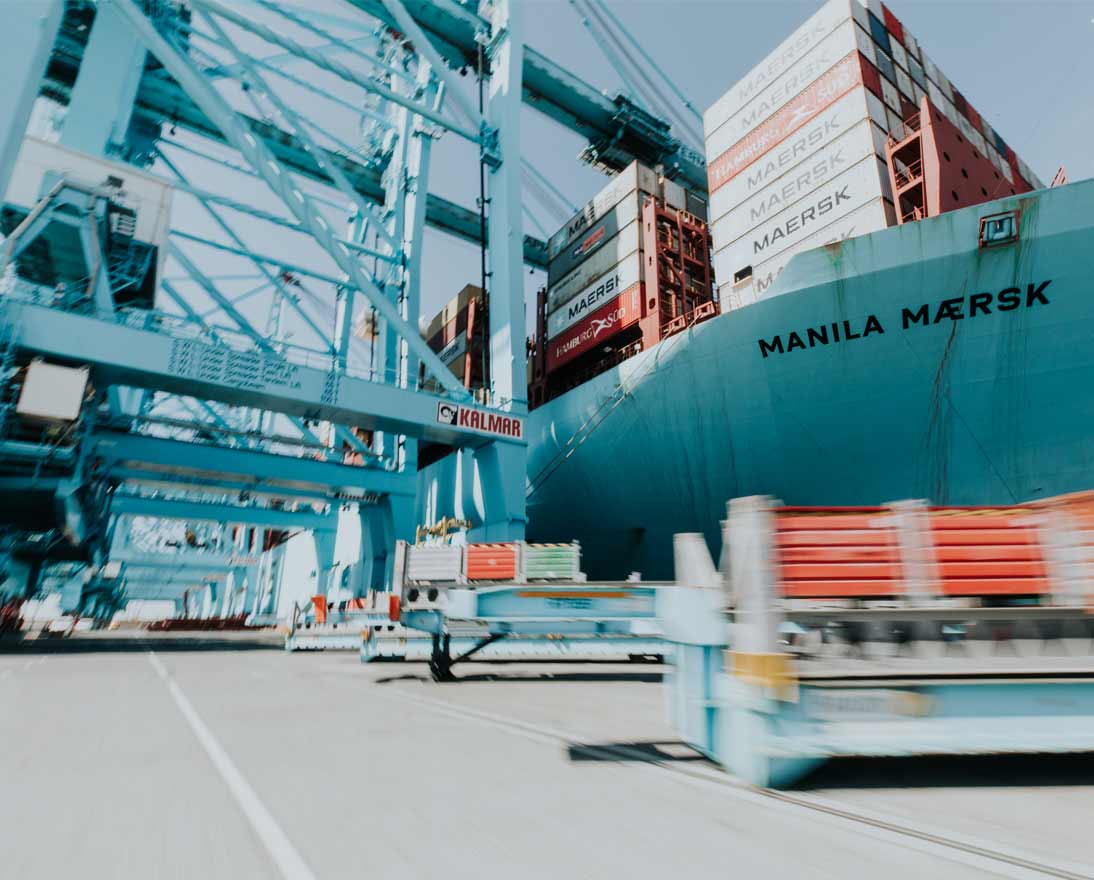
[(491, 562), (892, 24), (604, 323), (871, 78), (972, 116)]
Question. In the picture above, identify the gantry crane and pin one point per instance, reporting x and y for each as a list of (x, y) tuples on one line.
[(265, 410)]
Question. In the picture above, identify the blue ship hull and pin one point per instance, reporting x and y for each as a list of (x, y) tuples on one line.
[(871, 398)]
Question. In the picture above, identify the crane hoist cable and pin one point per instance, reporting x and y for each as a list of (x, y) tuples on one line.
[(655, 97), (550, 204), (648, 59), (636, 92), (546, 181)]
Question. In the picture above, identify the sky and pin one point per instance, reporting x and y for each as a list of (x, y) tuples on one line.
[(1028, 67)]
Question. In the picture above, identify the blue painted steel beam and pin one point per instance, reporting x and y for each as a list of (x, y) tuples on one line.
[(201, 511), (102, 99), (530, 603), (441, 214), (333, 42), (203, 482), (249, 329), (188, 309), (254, 82), (164, 457), (22, 449), (552, 89), (183, 559), (164, 587), (343, 71), (143, 358), (29, 33), (264, 163), (161, 102)]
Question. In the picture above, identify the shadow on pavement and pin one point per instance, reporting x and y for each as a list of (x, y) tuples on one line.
[(655, 752), (545, 677), (957, 771), (501, 677), (95, 643)]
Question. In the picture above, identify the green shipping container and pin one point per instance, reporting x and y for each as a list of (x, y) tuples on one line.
[(552, 562)]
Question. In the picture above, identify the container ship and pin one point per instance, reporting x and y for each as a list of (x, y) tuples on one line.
[(875, 299)]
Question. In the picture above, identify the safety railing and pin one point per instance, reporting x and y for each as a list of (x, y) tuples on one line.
[(908, 174), (689, 319), (905, 130), (179, 327)]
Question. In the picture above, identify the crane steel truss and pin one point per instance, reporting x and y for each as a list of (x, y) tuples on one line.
[(167, 372)]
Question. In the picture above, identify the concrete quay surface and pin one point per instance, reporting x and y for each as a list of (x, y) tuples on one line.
[(222, 756)]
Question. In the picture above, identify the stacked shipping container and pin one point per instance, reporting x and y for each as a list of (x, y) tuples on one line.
[(796, 150), (456, 335), (629, 268)]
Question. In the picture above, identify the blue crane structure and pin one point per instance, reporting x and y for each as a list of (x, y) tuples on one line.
[(258, 369)]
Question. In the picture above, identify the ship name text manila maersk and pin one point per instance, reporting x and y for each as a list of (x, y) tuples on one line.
[(954, 309)]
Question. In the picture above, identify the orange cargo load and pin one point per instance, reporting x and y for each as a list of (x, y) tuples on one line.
[(855, 552), (491, 562), (836, 552)]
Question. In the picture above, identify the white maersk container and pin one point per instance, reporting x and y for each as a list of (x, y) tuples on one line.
[(788, 53), (790, 228), (799, 150), (874, 215), (599, 250), (847, 38), (602, 262), (796, 153), (634, 178), (864, 139), (621, 277)]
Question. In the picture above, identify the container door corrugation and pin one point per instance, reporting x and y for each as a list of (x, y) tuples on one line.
[(429, 563), (600, 234), (602, 291), (491, 562), (544, 562), (781, 59), (837, 554), (633, 177), (837, 197), (975, 552), (986, 552), (845, 40), (871, 217), (613, 253), (861, 141), (822, 132)]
